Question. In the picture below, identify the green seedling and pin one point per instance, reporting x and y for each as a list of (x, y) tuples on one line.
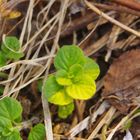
[(10, 50), (10, 122), (74, 79)]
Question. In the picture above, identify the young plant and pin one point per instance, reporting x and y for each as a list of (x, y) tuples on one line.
[(10, 122), (10, 50), (74, 79)]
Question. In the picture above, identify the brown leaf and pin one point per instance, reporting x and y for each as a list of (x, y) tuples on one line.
[(122, 82)]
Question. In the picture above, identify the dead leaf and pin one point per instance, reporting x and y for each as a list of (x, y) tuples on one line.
[(6, 12), (122, 82)]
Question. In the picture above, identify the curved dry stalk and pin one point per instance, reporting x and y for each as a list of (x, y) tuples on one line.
[(91, 32), (26, 62)]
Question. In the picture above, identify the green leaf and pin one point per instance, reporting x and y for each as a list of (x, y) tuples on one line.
[(4, 123), (65, 78), (62, 78), (51, 86), (64, 81), (65, 111), (60, 98), (82, 89), (55, 93), (37, 132), (75, 70), (3, 59), (11, 109), (91, 68), (14, 135), (11, 48), (67, 56), (7, 132)]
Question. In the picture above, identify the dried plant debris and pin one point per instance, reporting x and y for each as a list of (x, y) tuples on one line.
[(122, 82)]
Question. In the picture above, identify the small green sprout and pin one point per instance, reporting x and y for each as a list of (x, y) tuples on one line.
[(10, 114), (10, 50), (74, 78)]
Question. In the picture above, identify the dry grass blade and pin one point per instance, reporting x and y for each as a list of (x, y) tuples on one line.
[(30, 8), (26, 62), (106, 119), (85, 123)]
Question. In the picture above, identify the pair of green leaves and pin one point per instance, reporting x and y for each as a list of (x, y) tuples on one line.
[(10, 122), (74, 79), (10, 50)]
